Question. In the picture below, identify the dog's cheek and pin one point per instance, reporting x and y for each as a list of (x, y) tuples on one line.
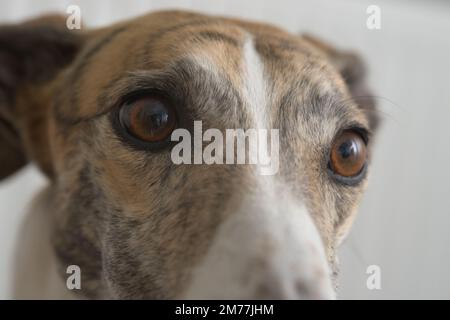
[(347, 217), (152, 244)]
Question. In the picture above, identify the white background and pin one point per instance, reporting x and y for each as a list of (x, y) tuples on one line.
[(404, 220)]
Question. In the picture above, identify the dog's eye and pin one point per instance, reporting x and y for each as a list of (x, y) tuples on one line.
[(348, 154), (148, 118)]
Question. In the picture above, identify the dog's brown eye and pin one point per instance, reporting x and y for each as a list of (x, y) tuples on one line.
[(348, 154), (150, 119)]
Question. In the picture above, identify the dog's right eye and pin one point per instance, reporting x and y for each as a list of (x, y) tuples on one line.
[(149, 119), (348, 157)]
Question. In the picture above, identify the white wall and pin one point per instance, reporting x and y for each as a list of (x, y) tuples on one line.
[(405, 216)]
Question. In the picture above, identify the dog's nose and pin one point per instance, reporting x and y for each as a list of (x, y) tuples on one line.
[(290, 281), (279, 284), (265, 250)]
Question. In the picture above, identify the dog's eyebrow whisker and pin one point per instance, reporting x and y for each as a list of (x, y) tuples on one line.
[(375, 97), (379, 112)]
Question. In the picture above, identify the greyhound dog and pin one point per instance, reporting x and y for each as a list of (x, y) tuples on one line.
[(95, 111)]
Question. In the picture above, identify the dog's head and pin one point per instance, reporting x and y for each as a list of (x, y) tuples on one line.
[(96, 110)]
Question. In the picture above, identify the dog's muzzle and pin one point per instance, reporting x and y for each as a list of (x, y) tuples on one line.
[(269, 249)]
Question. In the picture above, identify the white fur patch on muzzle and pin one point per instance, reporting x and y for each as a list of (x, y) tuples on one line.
[(269, 249)]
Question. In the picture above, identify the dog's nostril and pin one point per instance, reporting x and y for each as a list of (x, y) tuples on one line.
[(316, 290), (269, 291), (302, 290), (295, 290)]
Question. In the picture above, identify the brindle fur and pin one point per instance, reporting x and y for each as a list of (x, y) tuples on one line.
[(133, 221)]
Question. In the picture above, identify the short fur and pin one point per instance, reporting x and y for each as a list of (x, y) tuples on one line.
[(135, 223)]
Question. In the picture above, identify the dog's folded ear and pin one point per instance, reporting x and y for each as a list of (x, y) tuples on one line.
[(31, 55), (353, 71)]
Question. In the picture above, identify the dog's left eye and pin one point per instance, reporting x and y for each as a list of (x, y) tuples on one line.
[(348, 156), (148, 118)]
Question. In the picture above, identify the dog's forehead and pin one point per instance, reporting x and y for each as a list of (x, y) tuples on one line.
[(248, 55), (223, 45)]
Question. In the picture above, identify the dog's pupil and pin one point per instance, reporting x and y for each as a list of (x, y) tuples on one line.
[(153, 117), (348, 149)]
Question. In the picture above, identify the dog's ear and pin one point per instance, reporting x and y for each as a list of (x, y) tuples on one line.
[(353, 71), (31, 55)]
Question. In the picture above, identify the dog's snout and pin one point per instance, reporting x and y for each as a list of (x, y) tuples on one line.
[(296, 290), (266, 250), (293, 286)]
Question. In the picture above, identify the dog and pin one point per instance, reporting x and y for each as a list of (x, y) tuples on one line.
[(95, 110)]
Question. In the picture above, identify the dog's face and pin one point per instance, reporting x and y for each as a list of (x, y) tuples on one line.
[(96, 109)]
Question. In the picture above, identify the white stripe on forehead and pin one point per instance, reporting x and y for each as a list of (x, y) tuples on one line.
[(254, 90), (255, 86), (256, 103)]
